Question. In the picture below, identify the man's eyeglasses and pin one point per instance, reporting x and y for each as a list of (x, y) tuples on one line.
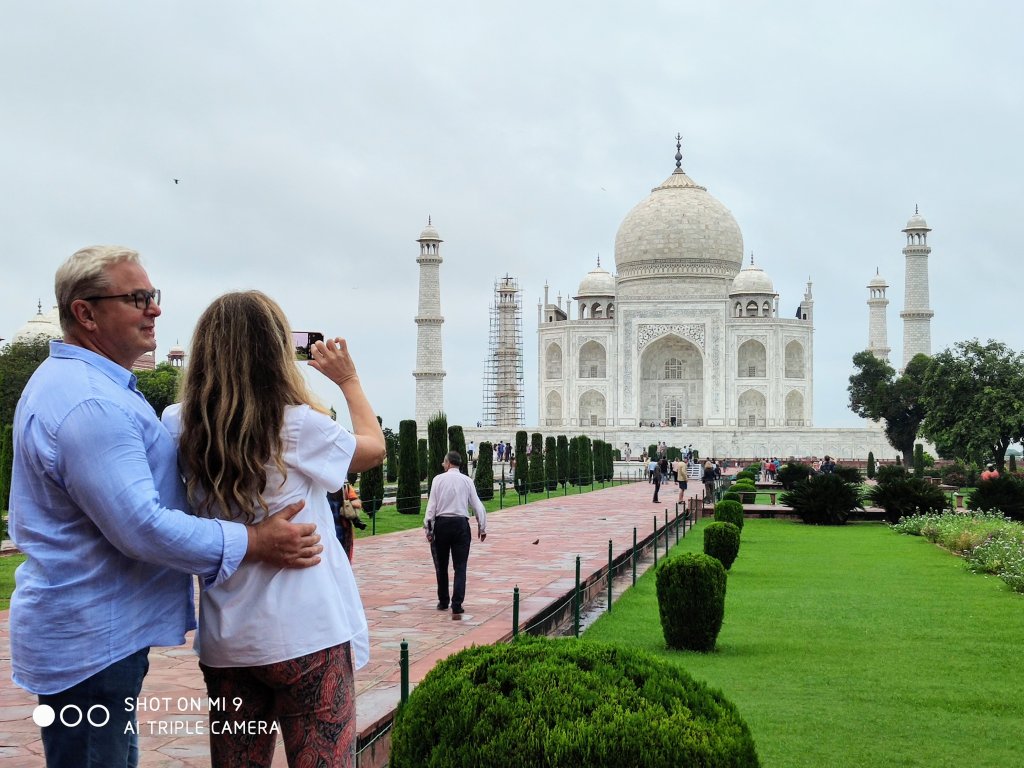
[(142, 299)]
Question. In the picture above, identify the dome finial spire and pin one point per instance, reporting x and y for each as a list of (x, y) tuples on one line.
[(39, 307), (679, 153), (916, 212), (599, 260), (751, 258)]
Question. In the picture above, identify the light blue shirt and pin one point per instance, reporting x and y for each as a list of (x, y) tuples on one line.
[(95, 500)]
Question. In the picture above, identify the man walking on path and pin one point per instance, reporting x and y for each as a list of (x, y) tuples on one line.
[(447, 528), (656, 479)]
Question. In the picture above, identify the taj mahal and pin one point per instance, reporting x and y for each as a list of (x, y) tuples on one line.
[(684, 343)]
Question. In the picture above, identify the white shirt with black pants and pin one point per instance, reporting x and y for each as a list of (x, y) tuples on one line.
[(446, 523)]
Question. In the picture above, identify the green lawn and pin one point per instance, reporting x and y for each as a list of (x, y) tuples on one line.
[(855, 646), (7, 565)]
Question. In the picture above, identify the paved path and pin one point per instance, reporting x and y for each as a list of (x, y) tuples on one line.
[(534, 547)]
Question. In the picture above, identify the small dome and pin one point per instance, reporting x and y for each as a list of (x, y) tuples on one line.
[(429, 233), (46, 326), (597, 282), (752, 279), (177, 349), (917, 222), (878, 282)]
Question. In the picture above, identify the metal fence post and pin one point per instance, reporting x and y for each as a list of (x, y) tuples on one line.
[(515, 612), (576, 601), (655, 541), (404, 664), (633, 558), (609, 575)]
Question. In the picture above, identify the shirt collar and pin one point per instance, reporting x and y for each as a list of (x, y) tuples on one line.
[(104, 365)]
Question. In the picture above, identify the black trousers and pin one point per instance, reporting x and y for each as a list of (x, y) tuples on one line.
[(452, 538)]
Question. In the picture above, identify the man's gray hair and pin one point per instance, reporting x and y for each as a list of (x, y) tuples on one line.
[(85, 274), (454, 458)]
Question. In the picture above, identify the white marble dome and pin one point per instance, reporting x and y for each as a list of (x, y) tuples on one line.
[(679, 230), (597, 282), (752, 279), (917, 222), (41, 325), (429, 233), (878, 282)]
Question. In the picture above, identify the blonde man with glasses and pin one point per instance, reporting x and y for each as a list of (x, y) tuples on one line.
[(97, 508)]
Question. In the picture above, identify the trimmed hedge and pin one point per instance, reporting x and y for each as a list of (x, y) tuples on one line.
[(484, 477), (691, 600), (729, 511), (722, 541), (565, 704)]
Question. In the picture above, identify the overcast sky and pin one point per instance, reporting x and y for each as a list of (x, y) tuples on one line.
[(313, 139)]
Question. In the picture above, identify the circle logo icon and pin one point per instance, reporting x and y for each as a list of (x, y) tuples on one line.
[(43, 715)]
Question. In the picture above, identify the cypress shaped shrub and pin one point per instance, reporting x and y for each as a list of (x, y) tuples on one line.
[(652, 451), (566, 704), (598, 450), (729, 512), (437, 446), (522, 463), (691, 600), (536, 462), (407, 500), (371, 487), (391, 446), (457, 442), (562, 451), (6, 468), (722, 541), (586, 461), (424, 456), (550, 464), (484, 478), (871, 465), (574, 460), (918, 460)]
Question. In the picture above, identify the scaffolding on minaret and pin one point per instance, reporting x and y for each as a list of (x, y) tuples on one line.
[(503, 369)]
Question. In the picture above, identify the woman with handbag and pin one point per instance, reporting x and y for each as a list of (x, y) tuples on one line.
[(251, 439)]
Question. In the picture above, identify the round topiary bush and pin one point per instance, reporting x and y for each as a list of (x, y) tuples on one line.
[(731, 496), (565, 703), (729, 511), (691, 601), (722, 541)]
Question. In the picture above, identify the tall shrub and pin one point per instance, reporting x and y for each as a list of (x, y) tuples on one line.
[(871, 465), (691, 600), (550, 463), (6, 467), (391, 446), (574, 460), (562, 451), (586, 461), (522, 463), (424, 455), (457, 442), (597, 449), (437, 446), (371, 487), (484, 478), (407, 500), (536, 462), (918, 460)]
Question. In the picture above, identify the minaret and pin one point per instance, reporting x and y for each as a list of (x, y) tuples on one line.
[(917, 334), (878, 335), (429, 373)]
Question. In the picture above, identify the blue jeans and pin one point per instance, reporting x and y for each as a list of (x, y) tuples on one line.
[(92, 718)]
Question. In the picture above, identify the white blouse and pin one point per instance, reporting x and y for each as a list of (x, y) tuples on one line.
[(262, 614)]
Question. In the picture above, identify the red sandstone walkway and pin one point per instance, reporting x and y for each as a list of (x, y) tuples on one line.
[(396, 582)]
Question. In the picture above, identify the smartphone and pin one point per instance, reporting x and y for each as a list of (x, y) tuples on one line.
[(303, 341)]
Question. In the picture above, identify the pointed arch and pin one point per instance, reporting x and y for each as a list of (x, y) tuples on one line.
[(795, 366), (593, 361), (751, 360), (553, 361), (751, 409), (593, 408), (553, 409), (795, 409)]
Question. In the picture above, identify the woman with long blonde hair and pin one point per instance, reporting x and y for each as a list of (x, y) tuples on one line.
[(277, 648)]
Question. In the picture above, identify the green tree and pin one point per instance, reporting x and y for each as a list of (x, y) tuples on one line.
[(877, 392), (407, 500), (871, 465), (371, 486), (974, 402), (160, 386), (437, 446), (18, 361), (6, 465), (536, 462), (550, 463), (391, 446), (918, 460), (586, 461), (457, 442), (574, 460), (424, 455), (562, 449), (484, 478), (522, 465)]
